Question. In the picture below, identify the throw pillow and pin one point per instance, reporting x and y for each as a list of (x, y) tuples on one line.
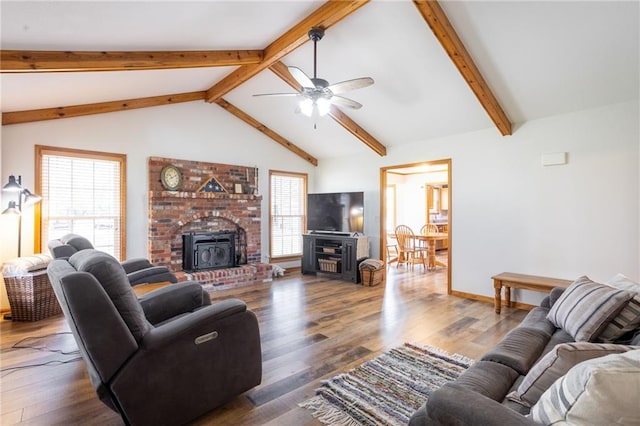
[(556, 364), (601, 391), (586, 307), (629, 317), (623, 283), (23, 265)]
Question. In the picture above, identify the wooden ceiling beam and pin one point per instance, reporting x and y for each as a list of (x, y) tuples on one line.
[(28, 116), (20, 61), (357, 131), (437, 20), (325, 16), (267, 131), (281, 70)]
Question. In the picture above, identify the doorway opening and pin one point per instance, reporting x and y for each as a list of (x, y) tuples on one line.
[(417, 195)]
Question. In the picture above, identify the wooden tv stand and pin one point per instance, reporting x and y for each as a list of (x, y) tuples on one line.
[(333, 254)]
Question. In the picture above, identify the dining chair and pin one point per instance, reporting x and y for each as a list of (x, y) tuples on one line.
[(429, 228), (392, 251), (409, 251)]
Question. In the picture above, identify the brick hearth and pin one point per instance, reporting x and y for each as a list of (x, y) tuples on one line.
[(172, 213), (219, 279)]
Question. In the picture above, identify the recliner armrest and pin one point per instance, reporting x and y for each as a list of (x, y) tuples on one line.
[(454, 405), (154, 274), (173, 300), (192, 325), (135, 264)]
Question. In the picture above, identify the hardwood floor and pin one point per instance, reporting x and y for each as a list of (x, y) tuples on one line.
[(312, 328)]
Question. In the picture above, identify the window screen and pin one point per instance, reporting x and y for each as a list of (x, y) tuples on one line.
[(83, 193), (288, 196)]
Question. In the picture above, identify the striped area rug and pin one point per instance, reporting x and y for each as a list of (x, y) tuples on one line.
[(386, 390)]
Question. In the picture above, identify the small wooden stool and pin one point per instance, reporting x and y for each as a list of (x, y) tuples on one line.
[(526, 282)]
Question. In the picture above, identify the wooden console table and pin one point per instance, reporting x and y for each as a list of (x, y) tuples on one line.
[(526, 282)]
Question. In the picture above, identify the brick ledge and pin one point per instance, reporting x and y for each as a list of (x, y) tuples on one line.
[(223, 279)]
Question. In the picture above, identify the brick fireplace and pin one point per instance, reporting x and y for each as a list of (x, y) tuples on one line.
[(232, 206)]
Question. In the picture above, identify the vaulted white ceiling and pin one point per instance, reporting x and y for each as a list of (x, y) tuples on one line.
[(539, 58)]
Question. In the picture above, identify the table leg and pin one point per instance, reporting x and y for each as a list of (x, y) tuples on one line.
[(507, 295), (431, 253), (497, 285)]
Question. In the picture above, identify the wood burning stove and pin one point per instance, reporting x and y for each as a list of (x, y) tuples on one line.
[(208, 250)]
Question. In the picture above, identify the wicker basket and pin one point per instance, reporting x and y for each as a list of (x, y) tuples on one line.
[(371, 277), (31, 296), (328, 265)]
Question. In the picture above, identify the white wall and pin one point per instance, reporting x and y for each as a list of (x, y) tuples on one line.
[(411, 197), (512, 214), (192, 131), (509, 212)]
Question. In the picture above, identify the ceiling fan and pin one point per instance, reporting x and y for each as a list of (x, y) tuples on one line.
[(316, 92)]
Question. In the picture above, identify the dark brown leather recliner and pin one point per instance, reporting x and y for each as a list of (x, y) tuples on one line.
[(163, 359), (139, 270)]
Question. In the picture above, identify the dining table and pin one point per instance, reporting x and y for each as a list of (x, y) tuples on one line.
[(430, 238)]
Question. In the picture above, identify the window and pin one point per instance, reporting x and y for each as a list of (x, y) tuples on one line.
[(287, 213), (83, 192)]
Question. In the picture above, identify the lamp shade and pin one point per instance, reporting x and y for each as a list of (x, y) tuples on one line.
[(324, 106), (12, 209), (13, 184), (320, 106), (30, 198), (306, 107)]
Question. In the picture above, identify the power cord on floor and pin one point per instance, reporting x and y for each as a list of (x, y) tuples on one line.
[(20, 345), (10, 370), (17, 345)]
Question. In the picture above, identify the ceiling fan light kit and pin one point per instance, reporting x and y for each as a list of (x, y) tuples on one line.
[(316, 94), (321, 105)]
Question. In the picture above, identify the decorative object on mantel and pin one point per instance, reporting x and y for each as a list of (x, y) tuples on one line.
[(171, 177), (255, 180), (212, 185), (238, 188)]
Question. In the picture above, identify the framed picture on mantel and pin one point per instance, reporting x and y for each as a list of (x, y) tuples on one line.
[(212, 185), (238, 188)]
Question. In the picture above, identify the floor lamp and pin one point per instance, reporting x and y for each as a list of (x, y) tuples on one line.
[(25, 198)]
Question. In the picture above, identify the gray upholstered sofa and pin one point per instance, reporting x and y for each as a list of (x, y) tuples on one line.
[(163, 359), (507, 381)]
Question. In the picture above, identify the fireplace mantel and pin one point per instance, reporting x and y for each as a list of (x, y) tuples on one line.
[(214, 195)]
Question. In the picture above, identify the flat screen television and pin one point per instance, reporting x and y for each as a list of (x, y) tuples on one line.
[(341, 212)]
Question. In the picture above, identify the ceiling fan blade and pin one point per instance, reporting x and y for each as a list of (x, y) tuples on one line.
[(301, 78), (345, 86), (277, 94), (350, 103)]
